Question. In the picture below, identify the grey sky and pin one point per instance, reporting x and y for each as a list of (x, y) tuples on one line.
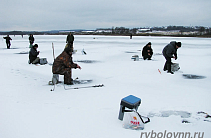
[(38, 15)]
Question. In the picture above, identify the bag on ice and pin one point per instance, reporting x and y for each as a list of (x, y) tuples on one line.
[(175, 67), (43, 61), (132, 120), (135, 58)]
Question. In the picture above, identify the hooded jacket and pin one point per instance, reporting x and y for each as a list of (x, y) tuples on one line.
[(170, 50), (64, 60)]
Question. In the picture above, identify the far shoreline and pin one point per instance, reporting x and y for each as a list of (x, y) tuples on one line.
[(106, 34)]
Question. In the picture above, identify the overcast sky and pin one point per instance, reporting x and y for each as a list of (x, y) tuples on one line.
[(42, 15)]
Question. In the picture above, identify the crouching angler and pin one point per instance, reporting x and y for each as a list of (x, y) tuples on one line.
[(170, 51), (147, 51), (33, 55), (63, 65)]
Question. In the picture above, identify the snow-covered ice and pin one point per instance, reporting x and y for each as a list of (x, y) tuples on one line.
[(28, 109)]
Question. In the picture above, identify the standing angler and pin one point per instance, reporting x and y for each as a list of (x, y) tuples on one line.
[(31, 40), (8, 41), (70, 39), (170, 51)]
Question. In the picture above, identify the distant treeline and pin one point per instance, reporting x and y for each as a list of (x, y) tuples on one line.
[(21, 33), (199, 31)]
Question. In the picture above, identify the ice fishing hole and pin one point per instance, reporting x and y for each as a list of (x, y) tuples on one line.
[(192, 76), (87, 61), (130, 52)]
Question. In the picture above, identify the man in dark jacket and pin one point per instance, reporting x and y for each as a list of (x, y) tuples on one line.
[(147, 51), (8, 41), (70, 38), (170, 51), (31, 39), (33, 53), (63, 65)]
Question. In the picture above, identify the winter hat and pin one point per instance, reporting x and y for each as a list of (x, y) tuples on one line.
[(149, 43), (36, 45), (179, 44)]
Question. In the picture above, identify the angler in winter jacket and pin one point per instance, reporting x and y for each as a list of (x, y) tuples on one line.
[(8, 41), (31, 39), (33, 53), (63, 65), (69, 40), (147, 51), (170, 51)]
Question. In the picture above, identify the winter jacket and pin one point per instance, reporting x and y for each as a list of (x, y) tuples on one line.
[(31, 39), (70, 38), (7, 39), (170, 50), (64, 60), (33, 54), (145, 51)]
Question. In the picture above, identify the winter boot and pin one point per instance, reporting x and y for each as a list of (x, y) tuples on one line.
[(68, 81)]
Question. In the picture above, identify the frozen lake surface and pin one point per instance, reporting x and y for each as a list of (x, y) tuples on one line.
[(28, 109)]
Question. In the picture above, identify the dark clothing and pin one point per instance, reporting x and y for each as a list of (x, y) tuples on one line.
[(168, 52), (63, 65), (168, 63), (147, 52), (70, 46), (147, 57), (70, 39), (131, 36), (31, 39), (33, 53), (8, 41)]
